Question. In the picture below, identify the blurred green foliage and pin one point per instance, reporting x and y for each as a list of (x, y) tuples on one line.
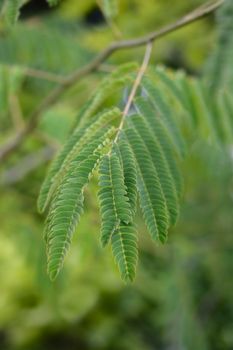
[(182, 296)]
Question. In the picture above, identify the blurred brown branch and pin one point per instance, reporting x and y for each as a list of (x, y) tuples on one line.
[(94, 65)]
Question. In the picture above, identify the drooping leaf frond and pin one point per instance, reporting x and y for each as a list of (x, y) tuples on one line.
[(125, 250), (65, 213), (143, 161), (114, 204), (67, 204)]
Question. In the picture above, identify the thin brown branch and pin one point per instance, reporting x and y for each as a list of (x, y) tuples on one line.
[(43, 75), (53, 97), (137, 82), (39, 74)]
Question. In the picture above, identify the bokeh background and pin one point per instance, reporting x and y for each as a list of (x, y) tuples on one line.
[(182, 296)]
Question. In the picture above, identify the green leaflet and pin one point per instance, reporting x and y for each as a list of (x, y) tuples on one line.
[(203, 110), (114, 205), (67, 204), (155, 152), (166, 114), (151, 197), (215, 120), (208, 116), (72, 147), (170, 83), (125, 250), (189, 95), (65, 213), (154, 123), (129, 168), (186, 87)]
